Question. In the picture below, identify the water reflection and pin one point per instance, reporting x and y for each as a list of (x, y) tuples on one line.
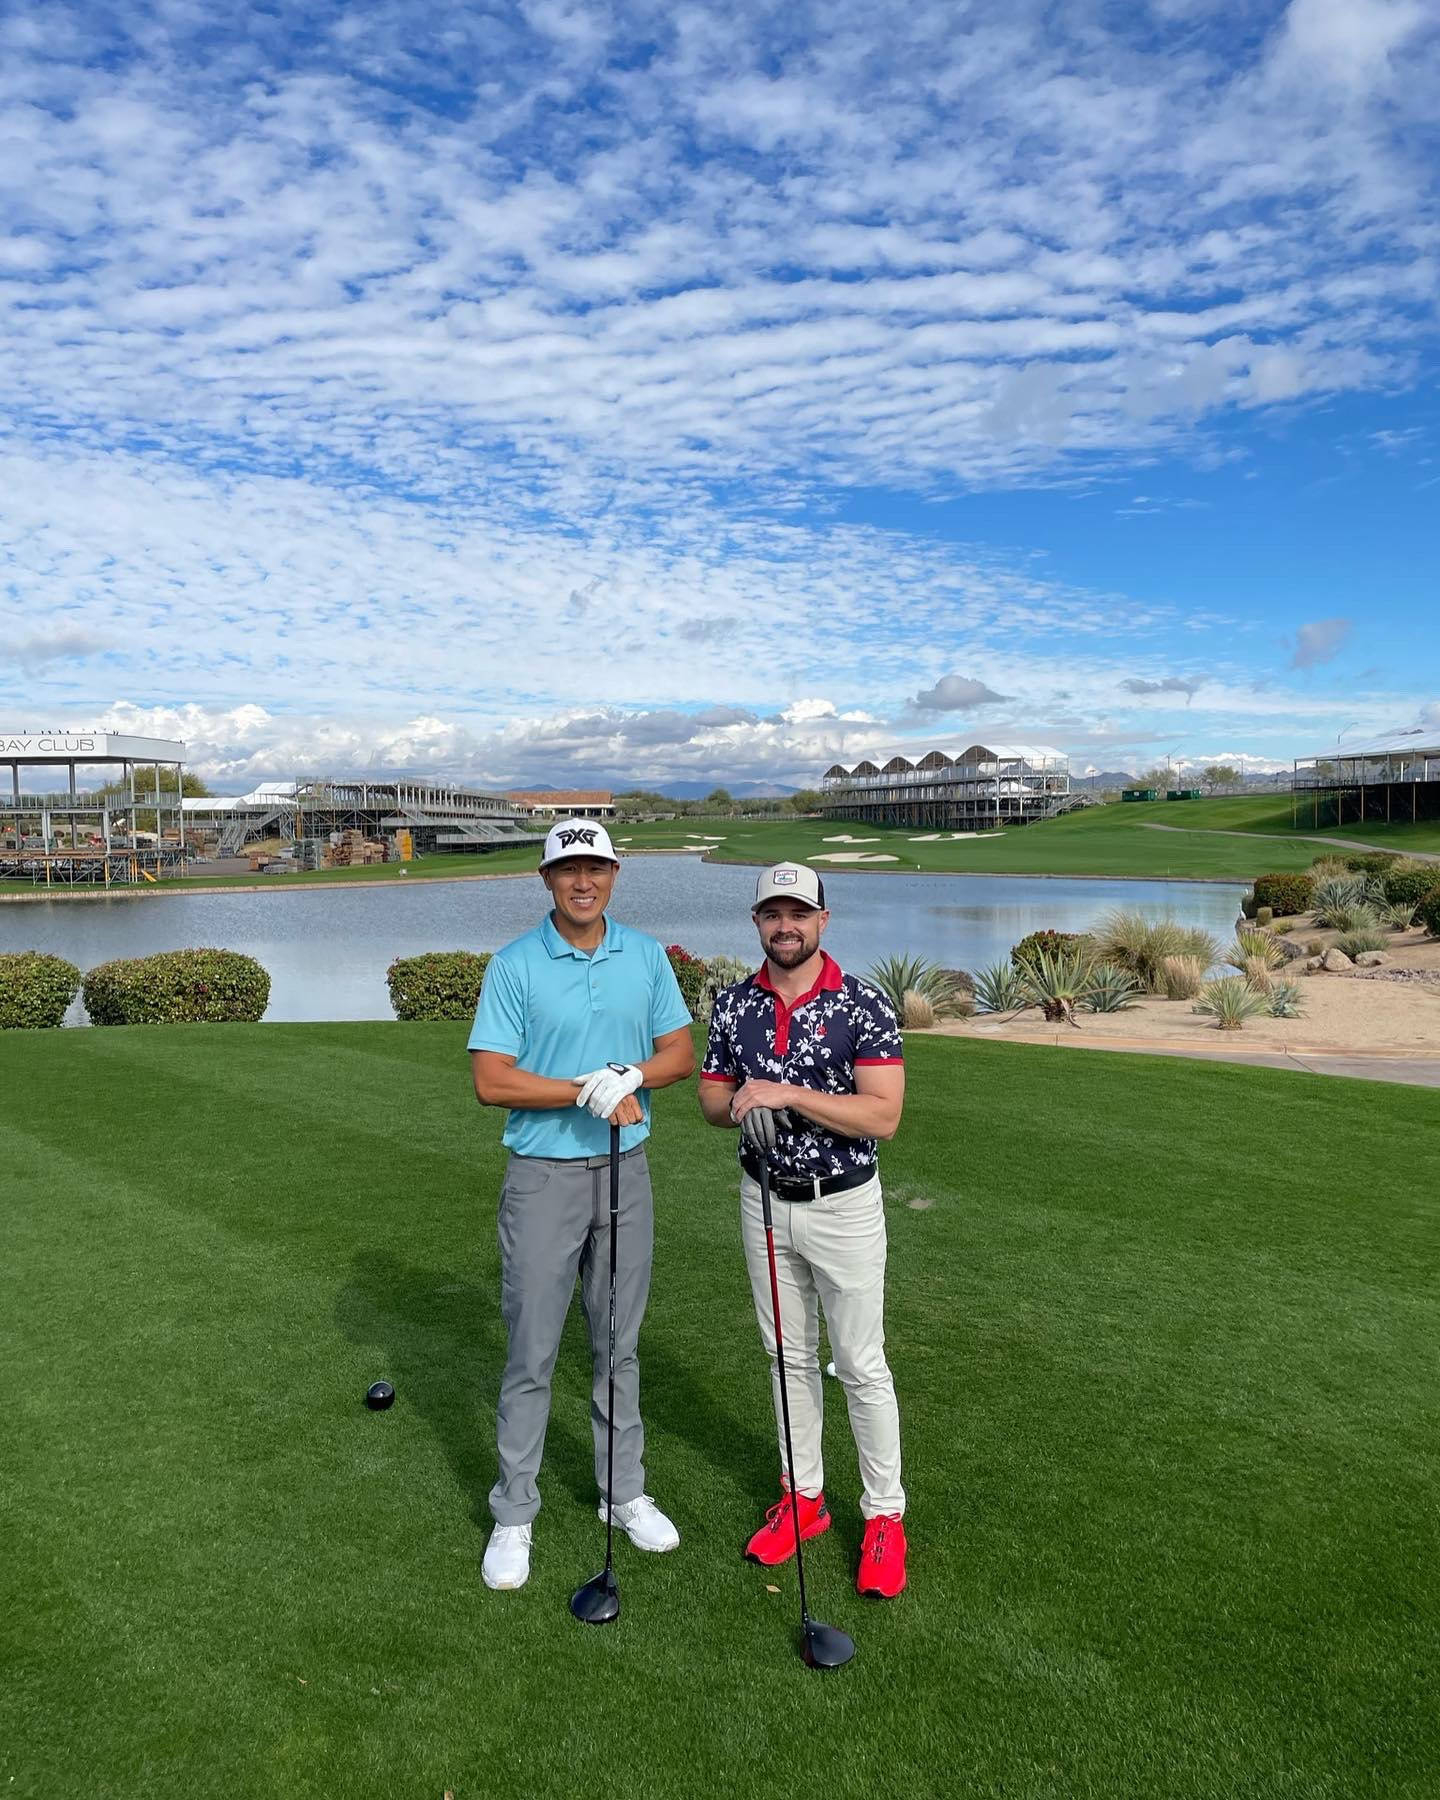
[(327, 949)]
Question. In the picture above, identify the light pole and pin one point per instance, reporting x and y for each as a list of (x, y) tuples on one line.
[(1339, 779)]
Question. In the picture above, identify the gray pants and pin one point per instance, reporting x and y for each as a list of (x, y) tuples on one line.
[(555, 1224)]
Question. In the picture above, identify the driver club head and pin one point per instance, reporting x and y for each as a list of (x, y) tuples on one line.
[(825, 1646), (598, 1602)]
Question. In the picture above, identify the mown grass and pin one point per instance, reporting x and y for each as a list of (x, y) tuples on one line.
[(1164, 1333), (1117, 840)]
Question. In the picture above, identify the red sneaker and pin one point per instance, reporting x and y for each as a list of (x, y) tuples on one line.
[(882, 1558), (774, 1542)]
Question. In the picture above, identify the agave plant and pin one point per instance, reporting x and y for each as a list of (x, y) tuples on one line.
[(1055, 981), (898, 976), (1182, 977), (1002, 988), (1133, 942), (1230, 1001), (1111, 990), (1285, 1001)]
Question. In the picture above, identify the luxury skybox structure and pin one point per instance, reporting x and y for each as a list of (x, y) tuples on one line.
[(975, 789)]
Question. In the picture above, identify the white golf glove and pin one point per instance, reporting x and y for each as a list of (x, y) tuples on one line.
[(758, 1127), (603, 1089)]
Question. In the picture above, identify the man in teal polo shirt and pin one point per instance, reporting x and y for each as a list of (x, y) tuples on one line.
[(577, 1021)]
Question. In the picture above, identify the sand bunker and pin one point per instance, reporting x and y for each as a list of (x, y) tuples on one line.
[(930, 837), (853, 856), (845, 838), (704, 839)]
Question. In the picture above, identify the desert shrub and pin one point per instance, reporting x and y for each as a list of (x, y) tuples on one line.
[(1428, 912), (1372, 862), (690, 973), (35, 990), (1050, 943), (1264, 915), (177, 987), (1001, 988), (1254, 947), (1285, 894), (1325, 867), (915, 1011), (1230, 1001), (1257, 973), (1285, 1001), (1314, 946), (1056, 980), (1283, 927), (1139, 944), (723, 972), (1399, 915), (1353, 942), (1182, 977), (1111, 990), (1410, 882), (1336, 893), (440, 984), (897, 976), (1351, 918)]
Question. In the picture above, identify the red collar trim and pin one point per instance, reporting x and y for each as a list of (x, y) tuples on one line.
[(829, 980)]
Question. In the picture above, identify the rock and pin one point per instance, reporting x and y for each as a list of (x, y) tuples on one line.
[(1371, 959), (1313, 965), (1334, 961)]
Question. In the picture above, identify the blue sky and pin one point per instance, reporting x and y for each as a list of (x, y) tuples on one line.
[(635, 392)]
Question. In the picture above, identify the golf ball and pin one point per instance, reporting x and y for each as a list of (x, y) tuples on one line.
[(379, 1395)]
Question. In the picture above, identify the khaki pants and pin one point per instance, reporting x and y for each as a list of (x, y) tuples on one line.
[(829, 1253)]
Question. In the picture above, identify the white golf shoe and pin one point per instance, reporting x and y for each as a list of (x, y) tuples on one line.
[(644, 1524), (507, 1556)]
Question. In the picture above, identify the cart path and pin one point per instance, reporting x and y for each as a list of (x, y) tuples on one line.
[(1280, 837)]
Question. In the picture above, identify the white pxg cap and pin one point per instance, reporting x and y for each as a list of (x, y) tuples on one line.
[(577, 837), (790, 881)]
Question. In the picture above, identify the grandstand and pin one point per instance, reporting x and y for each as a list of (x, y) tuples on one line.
[(1394, 779), (975, 789)]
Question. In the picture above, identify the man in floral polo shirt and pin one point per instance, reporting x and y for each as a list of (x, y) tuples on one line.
[(807, 1061)]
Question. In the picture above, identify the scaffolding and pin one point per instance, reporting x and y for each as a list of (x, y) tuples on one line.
[(88, 833), (1393, 780), (979, 788), (438, 816)]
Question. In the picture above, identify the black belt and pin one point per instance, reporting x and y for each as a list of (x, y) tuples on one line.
[(798, 1192)]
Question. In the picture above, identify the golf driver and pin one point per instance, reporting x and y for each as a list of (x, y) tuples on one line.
[(598, 1602), (822, 1646)]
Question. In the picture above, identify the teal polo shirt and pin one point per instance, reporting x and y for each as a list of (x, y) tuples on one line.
[(562, 1013)]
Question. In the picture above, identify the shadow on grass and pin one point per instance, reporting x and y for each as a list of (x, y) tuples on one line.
[(445, 1340)]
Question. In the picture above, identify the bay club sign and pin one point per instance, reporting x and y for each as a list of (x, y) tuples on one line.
[(86, 746)]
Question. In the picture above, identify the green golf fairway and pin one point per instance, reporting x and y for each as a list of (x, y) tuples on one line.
[(1113, 840), (1165, 1338)]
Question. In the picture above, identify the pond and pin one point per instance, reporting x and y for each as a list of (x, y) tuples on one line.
[(327, 948)]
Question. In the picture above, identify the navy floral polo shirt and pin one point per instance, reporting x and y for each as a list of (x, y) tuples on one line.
[(841, 1025)]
